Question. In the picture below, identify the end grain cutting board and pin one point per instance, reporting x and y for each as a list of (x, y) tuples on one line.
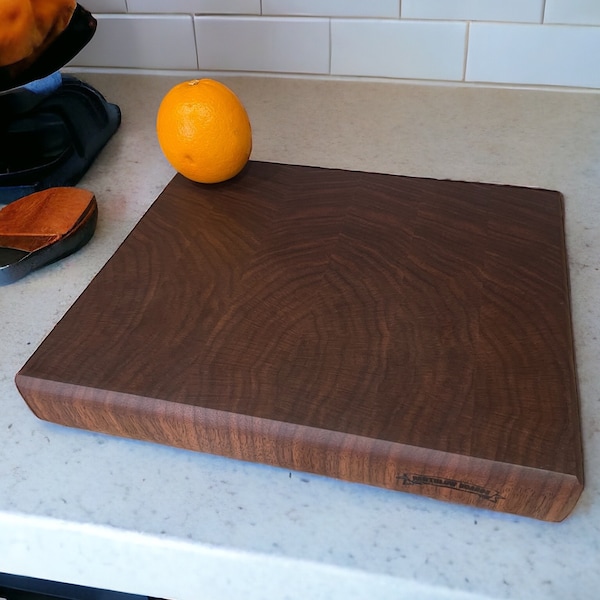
[(408, 333)]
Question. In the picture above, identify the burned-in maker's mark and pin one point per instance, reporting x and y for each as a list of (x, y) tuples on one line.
[(453, 484)]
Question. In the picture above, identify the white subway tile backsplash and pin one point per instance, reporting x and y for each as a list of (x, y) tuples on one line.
[(474, 10), (149, 42), (575, 12), (332, 8), (534, 54), (249, 7), (289, 45), (410, 49), (519, 42), (105, 6)]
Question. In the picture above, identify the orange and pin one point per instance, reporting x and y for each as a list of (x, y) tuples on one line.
[(204, 131)]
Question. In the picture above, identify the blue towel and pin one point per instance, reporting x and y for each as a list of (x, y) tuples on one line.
[(46, 85)]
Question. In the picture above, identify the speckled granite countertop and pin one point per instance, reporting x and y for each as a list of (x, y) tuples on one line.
[(136, 517)]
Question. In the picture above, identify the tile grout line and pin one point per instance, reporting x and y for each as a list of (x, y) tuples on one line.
[(543, 15), (195, 41), (466, 54), (330, 44)]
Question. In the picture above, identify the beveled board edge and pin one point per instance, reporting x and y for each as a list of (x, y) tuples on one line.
[(524, 491)]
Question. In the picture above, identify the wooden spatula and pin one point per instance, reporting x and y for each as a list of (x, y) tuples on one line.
[(44, 227)]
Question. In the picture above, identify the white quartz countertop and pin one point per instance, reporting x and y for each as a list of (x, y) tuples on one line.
[(91, 509)]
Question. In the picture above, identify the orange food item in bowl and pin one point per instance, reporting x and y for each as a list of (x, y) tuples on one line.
[(28, 26)]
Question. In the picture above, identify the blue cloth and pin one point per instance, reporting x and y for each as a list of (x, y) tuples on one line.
[(46, 85)]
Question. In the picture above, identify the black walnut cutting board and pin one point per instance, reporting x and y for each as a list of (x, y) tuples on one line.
[(408, 333)]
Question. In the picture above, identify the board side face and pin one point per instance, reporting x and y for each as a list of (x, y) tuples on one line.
[(538, 494), (429, 314)]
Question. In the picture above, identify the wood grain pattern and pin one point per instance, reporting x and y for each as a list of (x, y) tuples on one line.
[(407, 333)]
